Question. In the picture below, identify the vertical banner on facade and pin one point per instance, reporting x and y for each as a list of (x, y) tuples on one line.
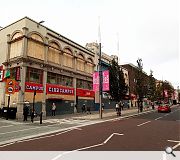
[(17, 73), (1, 73), (105, 75), (96, 81), (105, 84)]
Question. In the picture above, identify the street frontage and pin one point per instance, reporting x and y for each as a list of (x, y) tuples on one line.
[(148, 131)]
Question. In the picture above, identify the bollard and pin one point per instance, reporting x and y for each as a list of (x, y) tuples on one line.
[(41, 117)]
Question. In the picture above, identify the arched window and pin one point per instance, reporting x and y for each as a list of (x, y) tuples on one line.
[(68, 58), (89, 66), (36, 46), (16, 45), (80, 62), (53, 53)]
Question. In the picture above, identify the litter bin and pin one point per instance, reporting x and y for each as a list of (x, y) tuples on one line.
[(12, 113)]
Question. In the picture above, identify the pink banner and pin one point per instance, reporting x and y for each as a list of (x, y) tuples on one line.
[(96, 81), (105, 85), (105, 75)]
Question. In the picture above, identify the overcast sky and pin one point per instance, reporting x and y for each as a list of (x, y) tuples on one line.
[(147, 29)]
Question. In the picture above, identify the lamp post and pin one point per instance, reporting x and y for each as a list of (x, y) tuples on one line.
[(32, 114), (100, 83), (178, 93), (7, 116), (40, 23)]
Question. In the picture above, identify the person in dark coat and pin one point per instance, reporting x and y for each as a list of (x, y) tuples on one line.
[(88, 110), (25, 112), (83, 108)]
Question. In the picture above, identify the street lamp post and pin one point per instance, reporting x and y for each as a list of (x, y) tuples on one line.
[(7, 116), (100, 83), (178, 93)]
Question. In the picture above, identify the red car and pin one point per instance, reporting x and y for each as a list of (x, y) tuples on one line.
[(164, 108)]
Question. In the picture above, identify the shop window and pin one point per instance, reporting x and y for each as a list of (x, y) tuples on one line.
[(34, 75)]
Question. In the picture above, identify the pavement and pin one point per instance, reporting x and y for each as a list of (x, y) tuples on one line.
[(107, 113)]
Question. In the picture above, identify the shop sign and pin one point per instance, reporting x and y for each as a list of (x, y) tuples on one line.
[(56, 89), (84, 93), (31, 87)]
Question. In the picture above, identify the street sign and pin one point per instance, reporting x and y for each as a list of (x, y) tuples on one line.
[(10, 86)]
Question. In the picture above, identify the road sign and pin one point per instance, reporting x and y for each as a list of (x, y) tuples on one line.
[(10, 86)]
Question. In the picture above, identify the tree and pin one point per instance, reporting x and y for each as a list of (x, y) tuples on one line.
[(151, 87), (140, 81), (118, 87)]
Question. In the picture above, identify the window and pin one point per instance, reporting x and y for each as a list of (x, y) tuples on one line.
[(84, 84), (34, 75), (53, 53), (53, 78), (68, 58), (36, 47), (16, 45), (80, 63), (89, 66)]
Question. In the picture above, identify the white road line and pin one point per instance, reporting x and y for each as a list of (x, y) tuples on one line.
[(143, 123), (26, 129), (177, 145), (84, 148), (166, 115), (158, 118), (31, 139), (112, 136), (6, 126)]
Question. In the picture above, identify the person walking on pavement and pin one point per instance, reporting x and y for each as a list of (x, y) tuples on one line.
[(25, 110), (117, 109), (53, 109), (32, 115), (88, 110), (83, 108)]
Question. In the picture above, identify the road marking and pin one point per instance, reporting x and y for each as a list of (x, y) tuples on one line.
[(177, 145), (6, 126), (26, 129), (84, 148), (166, 115), (158, 118), (143, 123), (112, 136), (31, 139)]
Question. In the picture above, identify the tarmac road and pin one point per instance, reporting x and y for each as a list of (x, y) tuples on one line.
[(148, 132)]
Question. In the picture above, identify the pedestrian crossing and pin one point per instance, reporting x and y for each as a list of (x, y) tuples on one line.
[(66, 121)]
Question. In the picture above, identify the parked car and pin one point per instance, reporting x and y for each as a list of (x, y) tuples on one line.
[(164, 108)]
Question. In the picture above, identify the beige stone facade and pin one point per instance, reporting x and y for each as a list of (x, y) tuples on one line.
[(45, 57)]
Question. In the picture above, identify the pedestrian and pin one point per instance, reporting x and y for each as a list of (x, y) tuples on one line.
[(53, 109), (75, 108), (88, 110), (121, 105), (152, 105), (83, 108), (26, 110), (32, 115), (118, 109), (102, 107)]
